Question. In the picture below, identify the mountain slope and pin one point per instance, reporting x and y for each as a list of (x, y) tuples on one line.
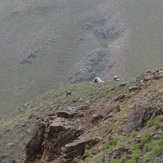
[(49, 44), (103, 111)]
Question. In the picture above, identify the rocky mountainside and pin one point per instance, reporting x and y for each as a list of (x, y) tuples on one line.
[(113, 122), (46, 44)]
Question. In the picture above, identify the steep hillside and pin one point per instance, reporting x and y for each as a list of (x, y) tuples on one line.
[(46, 44), (111, 122)]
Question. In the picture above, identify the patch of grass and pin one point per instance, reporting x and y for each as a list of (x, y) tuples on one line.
[(118, 106), (120, 146), (136, 155), (101, 159), (131, 161), (147, 147), (94, 128), (133, 134), (1, 149), (147, 157), (136, 152), (145, 94), (124, 118), (121, 160), (111, 143), (145, 138), (130, 106), (158, 147), (155, 121), (88, 159)]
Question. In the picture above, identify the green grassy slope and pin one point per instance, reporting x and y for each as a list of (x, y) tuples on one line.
[(17, 127)]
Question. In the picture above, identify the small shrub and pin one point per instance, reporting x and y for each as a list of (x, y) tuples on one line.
[(133, 134), (136, 155), (135, 146), (118, 106), (145, 94), (155, 122), (160, 118), (147, 147), (136, 152), (107, 146), (121, 160), (145, 138), (101, 160), (130, 106), (158, 147), (113, 141), (120, 146)]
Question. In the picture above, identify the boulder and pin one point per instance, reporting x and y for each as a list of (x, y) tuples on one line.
[(97, 117), (141, 113)]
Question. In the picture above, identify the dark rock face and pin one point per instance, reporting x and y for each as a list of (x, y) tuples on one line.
[(59, 138), (145, 111)]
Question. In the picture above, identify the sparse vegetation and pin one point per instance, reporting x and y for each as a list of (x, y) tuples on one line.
[(147, 157), (145, 149), (145, 138), (133, 134), (155, 121), (157, 147)]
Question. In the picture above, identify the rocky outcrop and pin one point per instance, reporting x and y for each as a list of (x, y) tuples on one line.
[(59, 136), (144, 111), (143, 79)]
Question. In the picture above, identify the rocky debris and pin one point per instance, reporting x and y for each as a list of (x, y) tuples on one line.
[(115, 154), (110, 115), (97, 117), (59, 138), (143, 79), (142, 112), (159, 159), (122, 84), (106, 158), (82, 107), (9, 145), (31, 116), (71, 112), (120, 97), (68, 93), (3, 157), (133, 88)]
